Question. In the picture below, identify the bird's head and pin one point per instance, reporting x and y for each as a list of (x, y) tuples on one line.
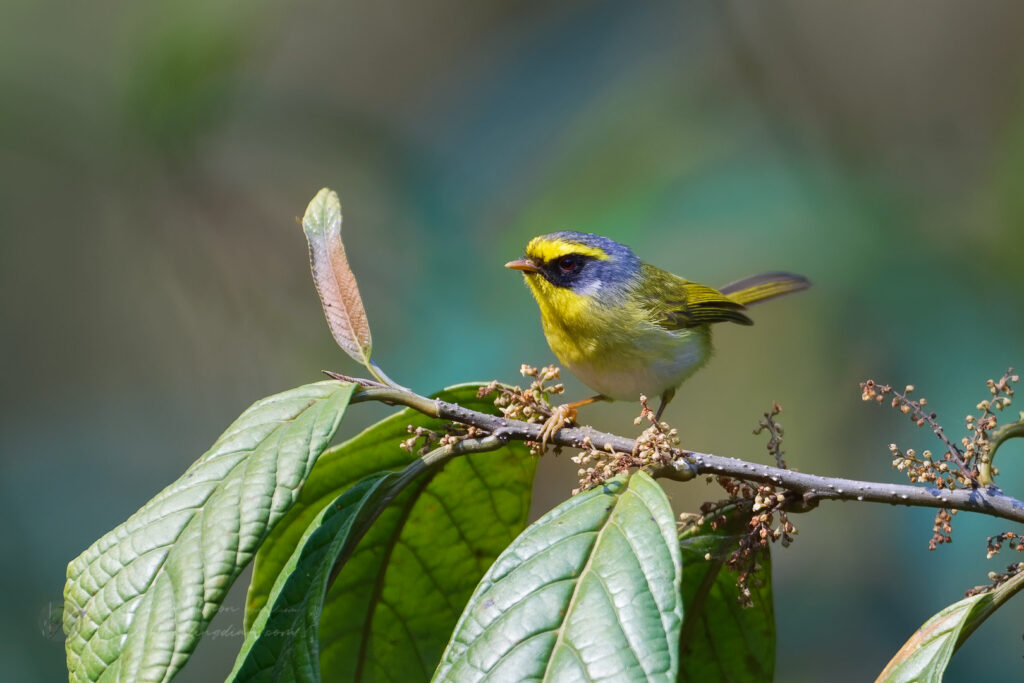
[(563, 266)]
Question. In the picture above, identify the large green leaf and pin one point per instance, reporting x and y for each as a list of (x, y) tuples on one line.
[(138, 600), (588, 592), (391, 608), (282, 644), (924, 658), (721, 639)]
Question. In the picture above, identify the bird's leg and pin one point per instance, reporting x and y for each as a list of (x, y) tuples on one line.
[(665, 398), (561, 416)]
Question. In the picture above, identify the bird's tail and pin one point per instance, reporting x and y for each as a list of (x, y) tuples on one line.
[(756, 288)]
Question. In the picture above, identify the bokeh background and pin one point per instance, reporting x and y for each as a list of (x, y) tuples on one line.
[(154, 283)]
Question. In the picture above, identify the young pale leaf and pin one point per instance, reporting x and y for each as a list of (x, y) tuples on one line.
[(334, 280), (282, 644), (588, 592), (138, 600), (721, 640), (400, 593), (924, 658)]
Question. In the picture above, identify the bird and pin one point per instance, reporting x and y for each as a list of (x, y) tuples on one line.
[(627, 328)]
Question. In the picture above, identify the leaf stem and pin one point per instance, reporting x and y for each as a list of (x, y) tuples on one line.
[(381, 377), (1005, 433)]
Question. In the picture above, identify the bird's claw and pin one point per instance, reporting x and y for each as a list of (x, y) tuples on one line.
[(560, 416)]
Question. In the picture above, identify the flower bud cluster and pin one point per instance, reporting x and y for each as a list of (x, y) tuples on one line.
[(963, 465), (598, 466), (656, 446), (432, 439), (978, 444), (950, 471), (775, 433), (768, 521), (529, 404), (942, 528), (995, 543), (429, 437), (997, 579), (532, 404)]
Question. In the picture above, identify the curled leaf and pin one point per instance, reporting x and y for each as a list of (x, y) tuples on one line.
[(334, 280), (925, 656)]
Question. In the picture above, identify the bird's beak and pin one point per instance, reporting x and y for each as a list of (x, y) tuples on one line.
[(524, 264)]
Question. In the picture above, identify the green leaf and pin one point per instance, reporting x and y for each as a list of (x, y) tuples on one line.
[(389, 613), (924, 658), (334, 280), (138, 600), (282, 644), (588, 592), (721, 640)]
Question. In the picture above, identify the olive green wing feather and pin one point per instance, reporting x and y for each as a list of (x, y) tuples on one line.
[(675, 303)]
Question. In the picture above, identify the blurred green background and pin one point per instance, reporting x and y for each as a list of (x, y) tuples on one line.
[(153, 282)]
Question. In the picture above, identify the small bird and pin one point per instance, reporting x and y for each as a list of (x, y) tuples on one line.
[(626, 328)]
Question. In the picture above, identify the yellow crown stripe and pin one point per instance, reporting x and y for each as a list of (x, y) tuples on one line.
[(548, 250)]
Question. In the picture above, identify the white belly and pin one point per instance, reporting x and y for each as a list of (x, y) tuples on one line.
[(659, 366)]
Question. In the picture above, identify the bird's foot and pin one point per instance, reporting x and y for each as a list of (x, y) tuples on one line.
[(560, 416)]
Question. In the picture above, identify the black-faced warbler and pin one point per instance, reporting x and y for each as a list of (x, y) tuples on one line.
[(626, 328)]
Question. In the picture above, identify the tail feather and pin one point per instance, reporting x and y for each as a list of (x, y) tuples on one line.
[(756, 288)]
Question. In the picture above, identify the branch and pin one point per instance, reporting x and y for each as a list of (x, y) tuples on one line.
[(689, 464), (1014, 430)]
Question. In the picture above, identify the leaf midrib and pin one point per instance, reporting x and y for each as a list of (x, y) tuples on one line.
[(697, 607), (378, 586), (560, 639)]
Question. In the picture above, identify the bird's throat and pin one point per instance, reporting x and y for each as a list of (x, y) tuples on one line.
[(561, 306)]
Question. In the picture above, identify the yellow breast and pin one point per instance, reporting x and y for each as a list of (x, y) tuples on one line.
[(616, 350)]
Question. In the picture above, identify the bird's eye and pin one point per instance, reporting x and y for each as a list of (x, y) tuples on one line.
[(567, 264)]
